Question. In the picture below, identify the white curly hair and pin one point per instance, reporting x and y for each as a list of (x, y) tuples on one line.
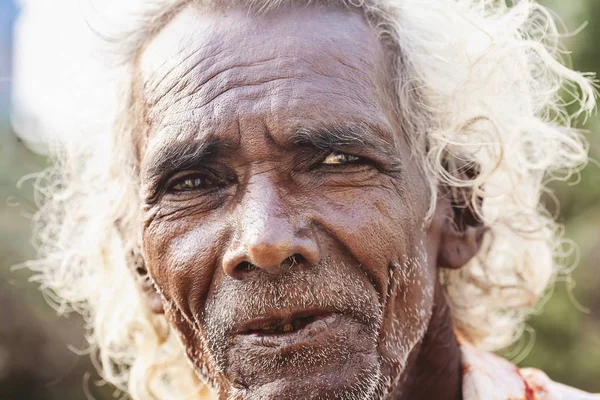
[(480, 85)]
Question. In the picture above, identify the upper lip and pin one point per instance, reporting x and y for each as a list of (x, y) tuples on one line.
[(277, 319)]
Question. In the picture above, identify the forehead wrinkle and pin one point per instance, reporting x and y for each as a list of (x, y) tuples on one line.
[(209, 73), (156, 83), (183, 75), (193, 131), (177, 108), (210, 45), (205, 87)]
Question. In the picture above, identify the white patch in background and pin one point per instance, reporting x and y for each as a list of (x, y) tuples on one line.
[(65, 81)]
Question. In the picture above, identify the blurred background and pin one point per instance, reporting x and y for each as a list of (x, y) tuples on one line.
[(42, 355)]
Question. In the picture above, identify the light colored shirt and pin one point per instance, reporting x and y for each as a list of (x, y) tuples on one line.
[(487, 376)]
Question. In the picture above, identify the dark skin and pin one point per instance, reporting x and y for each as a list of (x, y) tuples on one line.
[(283, 217)]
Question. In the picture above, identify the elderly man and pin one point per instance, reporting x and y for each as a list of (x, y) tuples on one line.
[(318, 200)]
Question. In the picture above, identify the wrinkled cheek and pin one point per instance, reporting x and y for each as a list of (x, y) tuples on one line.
[(391, 247), (408, 309), (182, 265), (375, 230), (181, 261), (196, 351)]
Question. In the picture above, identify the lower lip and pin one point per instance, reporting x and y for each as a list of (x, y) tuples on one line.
[(323, 326)]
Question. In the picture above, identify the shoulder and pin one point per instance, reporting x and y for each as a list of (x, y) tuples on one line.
[(488, 376), (545, 389)]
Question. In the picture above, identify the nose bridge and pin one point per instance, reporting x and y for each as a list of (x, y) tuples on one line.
[(269, 231), (264, 216)]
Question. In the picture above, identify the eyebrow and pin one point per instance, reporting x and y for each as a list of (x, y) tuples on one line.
[(348, 138), (179, 156)]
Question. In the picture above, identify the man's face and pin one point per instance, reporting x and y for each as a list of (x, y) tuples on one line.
[(282, 214)]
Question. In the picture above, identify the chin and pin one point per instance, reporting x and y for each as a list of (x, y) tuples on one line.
[(334, 358), (358, 378)]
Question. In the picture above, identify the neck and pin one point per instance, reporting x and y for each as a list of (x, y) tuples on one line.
[(436, 372)]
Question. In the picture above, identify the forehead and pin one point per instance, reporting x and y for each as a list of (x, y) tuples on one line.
[(207, 70)]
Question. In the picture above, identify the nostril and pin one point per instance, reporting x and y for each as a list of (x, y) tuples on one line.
[(293, 260), (245, 267)]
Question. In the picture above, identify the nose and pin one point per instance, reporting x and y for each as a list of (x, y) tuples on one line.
[(270, 236)]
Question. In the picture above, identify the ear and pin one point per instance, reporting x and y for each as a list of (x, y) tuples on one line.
[(145, 284), (461, 233), (137, 265)]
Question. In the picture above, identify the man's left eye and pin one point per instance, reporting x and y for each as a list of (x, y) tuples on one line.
[(336, 158)]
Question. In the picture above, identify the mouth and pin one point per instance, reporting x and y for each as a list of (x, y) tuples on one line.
[(288, 324)]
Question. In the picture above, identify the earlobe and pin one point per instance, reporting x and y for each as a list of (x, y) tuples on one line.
[(146, 286), (461, 234), (153, 298), (137, 266), (458, 247)]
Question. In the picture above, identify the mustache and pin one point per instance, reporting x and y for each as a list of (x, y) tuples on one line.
[(326, 285)]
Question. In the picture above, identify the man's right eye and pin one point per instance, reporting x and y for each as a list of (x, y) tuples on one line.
[(189, 183)]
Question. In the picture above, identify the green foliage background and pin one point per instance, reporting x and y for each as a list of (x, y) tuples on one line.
[(567, 335), (564, 339)]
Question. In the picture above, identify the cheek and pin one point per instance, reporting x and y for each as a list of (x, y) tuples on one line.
[(373, 225), (385, 232), (181, 257)]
